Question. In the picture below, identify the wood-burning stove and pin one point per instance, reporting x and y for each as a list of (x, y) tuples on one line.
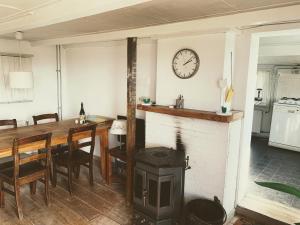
[(158, 186)]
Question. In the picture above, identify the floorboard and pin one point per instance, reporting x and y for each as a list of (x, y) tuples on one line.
[(89, 205)]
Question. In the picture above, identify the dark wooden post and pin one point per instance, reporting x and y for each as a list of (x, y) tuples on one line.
[(131, 108)]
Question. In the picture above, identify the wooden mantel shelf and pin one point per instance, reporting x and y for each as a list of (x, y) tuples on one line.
[(192, 113)]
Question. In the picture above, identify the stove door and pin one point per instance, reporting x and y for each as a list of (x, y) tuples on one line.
[(160, 200), (139, 191)]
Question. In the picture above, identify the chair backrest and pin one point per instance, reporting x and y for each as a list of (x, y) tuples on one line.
[(80, 137), (8, 123), (53, 116), (31, 144), (139, 132)]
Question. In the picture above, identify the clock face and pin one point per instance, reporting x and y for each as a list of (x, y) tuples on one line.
[(185, 63)]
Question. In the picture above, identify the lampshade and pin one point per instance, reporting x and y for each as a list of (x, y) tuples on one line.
[(119, 127), (20, 80)]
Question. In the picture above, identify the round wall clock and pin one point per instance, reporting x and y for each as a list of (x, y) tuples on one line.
[(185, 63)]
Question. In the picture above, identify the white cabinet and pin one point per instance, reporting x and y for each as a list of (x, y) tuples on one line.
[(256, 123), (285, 127)]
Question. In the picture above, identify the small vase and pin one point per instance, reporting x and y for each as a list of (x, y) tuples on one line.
[(224, 109)]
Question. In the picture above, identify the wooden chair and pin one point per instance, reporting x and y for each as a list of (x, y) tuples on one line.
[(121, 154), (7, 161), (41, 117), (75, 157), (12, 123), (27, 170), (50, 117)]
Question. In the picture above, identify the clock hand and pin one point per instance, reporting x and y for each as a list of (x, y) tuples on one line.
[(188, 60)]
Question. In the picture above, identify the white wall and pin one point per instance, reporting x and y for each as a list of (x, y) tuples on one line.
[(204, 149), (96, 74), (44, 71), (146, 75), (201, 91), (213, 147), (92, 75)]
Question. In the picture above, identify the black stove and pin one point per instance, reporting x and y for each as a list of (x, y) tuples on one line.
[(158, 186)]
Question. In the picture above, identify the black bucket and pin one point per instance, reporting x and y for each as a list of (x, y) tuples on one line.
[(205, 212)]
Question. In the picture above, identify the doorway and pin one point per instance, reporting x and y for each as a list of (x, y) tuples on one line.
[(273, 156)]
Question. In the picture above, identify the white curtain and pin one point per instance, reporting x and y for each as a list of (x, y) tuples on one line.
[(11, 64)]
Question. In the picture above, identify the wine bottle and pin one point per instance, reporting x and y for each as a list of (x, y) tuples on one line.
[(82, 114)]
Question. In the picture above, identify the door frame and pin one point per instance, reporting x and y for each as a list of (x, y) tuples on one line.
[(253, 37)]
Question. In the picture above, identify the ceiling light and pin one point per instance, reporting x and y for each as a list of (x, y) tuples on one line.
[(21, 78)]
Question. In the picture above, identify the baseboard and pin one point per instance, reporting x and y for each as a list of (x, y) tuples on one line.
[(261, 135), (257, 217), (230, 217)]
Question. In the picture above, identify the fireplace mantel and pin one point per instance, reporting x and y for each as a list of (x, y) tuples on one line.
[(192, 113)]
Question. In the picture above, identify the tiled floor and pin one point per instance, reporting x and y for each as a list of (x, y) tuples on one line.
[(276, 165)]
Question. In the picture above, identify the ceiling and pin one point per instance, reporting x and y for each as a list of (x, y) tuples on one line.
[(284, 41), (10, 8), (280, 60), (150, 13), (280, 40)]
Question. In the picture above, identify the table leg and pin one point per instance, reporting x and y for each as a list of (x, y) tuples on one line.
[(103, 138), (109, 169), (1, 199)]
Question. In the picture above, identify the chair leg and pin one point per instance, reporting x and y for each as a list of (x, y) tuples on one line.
[(54, 176), (33, 187), (109, 169), (47, 196), (77, 171), (2, 201), (91, 173), (51, 172), (70, 171), (18, 201)]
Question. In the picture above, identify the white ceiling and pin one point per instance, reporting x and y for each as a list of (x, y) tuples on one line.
[(279, 60), (10, 8), (277, 44), (280, 40), (154, 12)]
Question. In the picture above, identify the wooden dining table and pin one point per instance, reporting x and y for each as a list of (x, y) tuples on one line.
[(59, 132)]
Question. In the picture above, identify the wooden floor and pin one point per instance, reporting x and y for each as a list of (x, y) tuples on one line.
[(99, 205), (96, 205), (241, 221)]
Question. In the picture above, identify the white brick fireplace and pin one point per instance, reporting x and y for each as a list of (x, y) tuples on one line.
[(213, 148)]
